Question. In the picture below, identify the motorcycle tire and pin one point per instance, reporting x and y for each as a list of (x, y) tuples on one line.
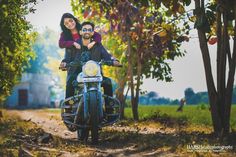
[(82, 134), (94, 119)]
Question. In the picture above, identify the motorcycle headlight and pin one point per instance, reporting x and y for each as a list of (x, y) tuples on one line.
[(91, 68)]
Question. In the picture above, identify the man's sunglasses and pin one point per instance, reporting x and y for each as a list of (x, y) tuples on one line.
[(87, 30)]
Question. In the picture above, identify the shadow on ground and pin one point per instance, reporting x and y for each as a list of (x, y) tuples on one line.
[(130, 143)]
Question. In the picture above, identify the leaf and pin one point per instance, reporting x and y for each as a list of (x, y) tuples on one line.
[(181, 9)]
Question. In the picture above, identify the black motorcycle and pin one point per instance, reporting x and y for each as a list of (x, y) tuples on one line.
[(85, 112)]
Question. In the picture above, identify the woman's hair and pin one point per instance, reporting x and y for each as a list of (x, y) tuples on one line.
[(66, 31)]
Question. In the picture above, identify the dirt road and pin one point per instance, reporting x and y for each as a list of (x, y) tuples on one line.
[(120, 140)]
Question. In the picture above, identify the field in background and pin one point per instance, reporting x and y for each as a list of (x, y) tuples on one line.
[(192, 114)]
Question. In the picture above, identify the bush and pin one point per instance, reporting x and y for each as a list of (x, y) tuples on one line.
[(202, 107)]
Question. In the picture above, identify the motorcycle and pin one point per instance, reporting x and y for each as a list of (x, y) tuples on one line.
[(85, 112)]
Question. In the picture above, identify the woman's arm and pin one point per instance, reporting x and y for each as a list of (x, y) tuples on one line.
[(63, 43), (97, 37)]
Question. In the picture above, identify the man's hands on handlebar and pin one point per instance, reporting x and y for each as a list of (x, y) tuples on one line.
[(63, 66), (117, 63)]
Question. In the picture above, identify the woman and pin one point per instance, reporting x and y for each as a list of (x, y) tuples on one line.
[(68, 40), (70, 32)]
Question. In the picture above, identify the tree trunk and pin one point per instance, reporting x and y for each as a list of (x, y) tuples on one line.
[(130, 69), (135, 109), (120, 95), (220, 69), (209, 77), (221, 66), (136, 100), (230, 81), (225, 49), (220, 100)]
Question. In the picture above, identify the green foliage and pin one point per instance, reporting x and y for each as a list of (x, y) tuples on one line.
[(203, 106), (207, 16), (15, 42), (117, 48), (195, 98), (150, 30), (152, 94), (152, 98), (145, 22), (145, 100), (202, 97)]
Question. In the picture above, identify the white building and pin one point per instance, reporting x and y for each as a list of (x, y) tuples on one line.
[(32, 92)]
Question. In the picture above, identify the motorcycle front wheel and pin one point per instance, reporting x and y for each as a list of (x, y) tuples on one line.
[(82, 134), (94, 119)]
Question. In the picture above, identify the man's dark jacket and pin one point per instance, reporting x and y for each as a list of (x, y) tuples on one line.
[(73, 56)]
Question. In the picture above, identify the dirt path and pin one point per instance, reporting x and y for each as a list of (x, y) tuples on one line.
[(49, 122), (118, 140), (108, 146), (52, 123)]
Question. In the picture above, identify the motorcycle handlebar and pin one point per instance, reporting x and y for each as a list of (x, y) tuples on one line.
[(62, 69), (103, 62), (120, 66), (110, 63)]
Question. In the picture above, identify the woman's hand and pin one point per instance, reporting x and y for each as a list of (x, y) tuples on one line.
[(77, 45), (90, 45)]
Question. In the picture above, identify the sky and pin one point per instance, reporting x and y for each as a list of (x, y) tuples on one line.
[(48, 14), (187, 71)]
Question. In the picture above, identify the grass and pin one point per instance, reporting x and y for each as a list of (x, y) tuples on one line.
[(196, 115), (192, 114)]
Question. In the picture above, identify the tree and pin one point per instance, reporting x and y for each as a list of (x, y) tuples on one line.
[(119, 75), (148, 30), (52, 65), (189, 94), (195, 98), (150, 96), (15, 42), (217, 18)]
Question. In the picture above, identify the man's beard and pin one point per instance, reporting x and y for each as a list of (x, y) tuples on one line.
[(86, 36)]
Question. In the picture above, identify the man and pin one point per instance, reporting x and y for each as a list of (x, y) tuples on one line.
[(96, 53)]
